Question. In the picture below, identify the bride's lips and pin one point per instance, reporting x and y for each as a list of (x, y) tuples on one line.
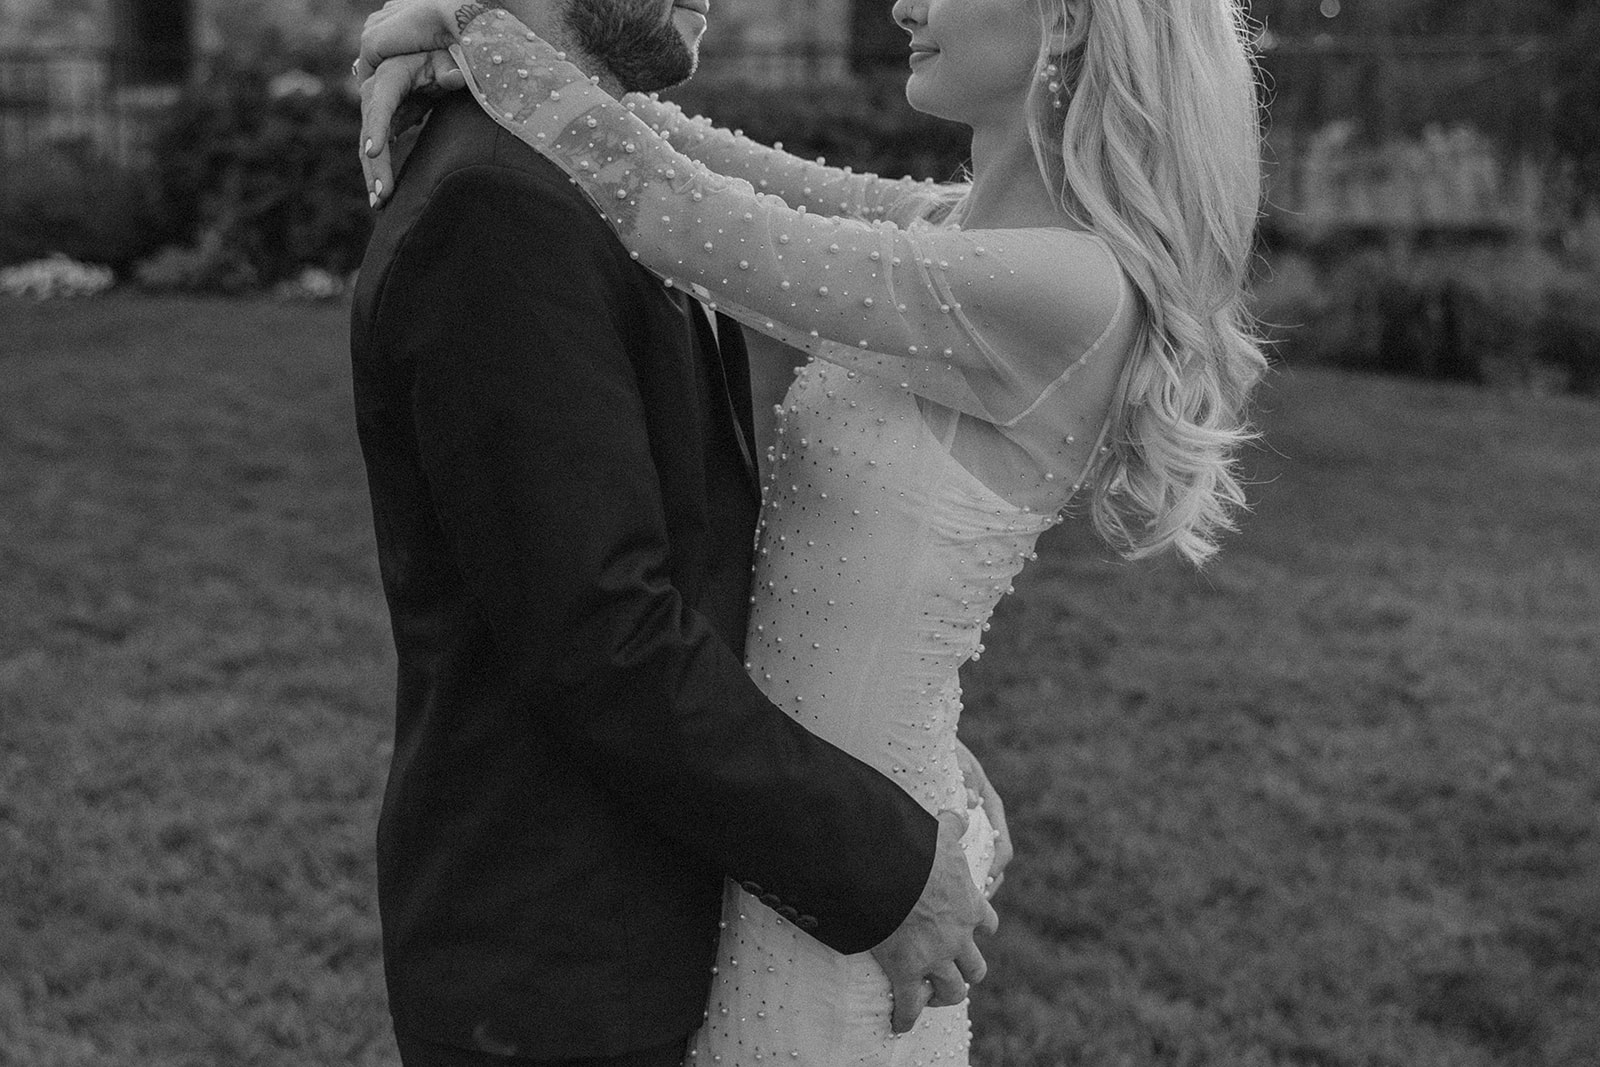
[(922, 51)]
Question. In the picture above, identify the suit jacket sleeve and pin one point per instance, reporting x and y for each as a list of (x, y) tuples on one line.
[(532, 435)]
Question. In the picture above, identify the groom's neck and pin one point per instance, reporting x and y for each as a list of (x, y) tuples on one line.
[(547, 18)]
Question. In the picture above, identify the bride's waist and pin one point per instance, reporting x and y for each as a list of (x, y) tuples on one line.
[(923, 653), (921, 691)]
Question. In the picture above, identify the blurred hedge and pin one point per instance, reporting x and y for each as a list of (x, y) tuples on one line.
[(1512, 316), (260, 174), (70, 199)]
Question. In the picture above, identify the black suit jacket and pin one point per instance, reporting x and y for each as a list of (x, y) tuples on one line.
[(564, 520)]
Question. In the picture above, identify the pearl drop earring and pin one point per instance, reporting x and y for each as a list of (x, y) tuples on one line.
[(1049, 75)]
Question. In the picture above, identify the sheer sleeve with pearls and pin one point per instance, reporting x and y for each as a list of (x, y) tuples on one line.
[(798, 182), (988, 322)]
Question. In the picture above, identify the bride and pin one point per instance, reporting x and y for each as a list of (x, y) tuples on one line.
[(1065, 334)]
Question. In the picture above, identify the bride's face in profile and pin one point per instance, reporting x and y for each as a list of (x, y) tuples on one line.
[(972, 61)]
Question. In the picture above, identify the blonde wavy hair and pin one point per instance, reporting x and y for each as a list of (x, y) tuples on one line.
[(1159, 152)]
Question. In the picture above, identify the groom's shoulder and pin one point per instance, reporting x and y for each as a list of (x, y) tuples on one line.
[(464, 159), (472, 201)]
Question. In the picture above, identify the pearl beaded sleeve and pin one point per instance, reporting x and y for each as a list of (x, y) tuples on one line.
[(982, 321), (799, 182)]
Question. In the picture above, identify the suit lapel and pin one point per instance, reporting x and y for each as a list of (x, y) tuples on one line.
[(736, 375), (731, 363)]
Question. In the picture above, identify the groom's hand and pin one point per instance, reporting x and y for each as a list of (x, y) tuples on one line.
[(932, 957)]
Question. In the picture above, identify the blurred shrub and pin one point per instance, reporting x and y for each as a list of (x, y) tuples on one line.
[(1498, 316), (261, 169), (67, 199), (54, 277), (868, 126), (213, 264), (1568, 337)]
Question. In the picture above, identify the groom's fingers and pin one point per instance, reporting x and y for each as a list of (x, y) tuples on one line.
[(909, 1000), (990, 923), (970, 964), (946, 987)]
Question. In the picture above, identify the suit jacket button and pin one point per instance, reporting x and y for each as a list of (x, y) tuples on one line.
[(806, 922), (789, 913), (771, 900), (751, 887)]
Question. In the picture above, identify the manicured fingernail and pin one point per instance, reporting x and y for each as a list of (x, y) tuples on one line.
[(372, 199), (377, 186), (369, 146)]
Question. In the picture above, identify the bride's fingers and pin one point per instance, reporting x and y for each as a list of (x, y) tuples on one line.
[(415, 26), (443, 72), (381, 95), (393, 100)]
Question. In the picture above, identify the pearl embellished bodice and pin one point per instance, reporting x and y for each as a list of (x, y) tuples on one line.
[(879, 562), (957, 398)]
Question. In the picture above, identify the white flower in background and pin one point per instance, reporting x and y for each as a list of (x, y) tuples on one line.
[(57, 276), (293, 82), (313, 283)]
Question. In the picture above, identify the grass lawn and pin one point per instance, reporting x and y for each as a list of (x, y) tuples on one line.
[(1332, 803)]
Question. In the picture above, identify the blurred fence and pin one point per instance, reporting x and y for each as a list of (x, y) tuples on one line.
[(1366, 134)]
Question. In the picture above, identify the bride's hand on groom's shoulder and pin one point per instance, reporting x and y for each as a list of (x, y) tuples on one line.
[(981, 791), (402, 27), (397, 97), (404, 66)]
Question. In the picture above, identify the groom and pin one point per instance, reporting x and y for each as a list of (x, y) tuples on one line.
[(564, 494)]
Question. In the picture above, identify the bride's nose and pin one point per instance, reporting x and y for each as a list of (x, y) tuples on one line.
[(909, 14)]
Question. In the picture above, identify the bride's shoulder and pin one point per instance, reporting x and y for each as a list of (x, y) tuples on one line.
[(1075, 267)]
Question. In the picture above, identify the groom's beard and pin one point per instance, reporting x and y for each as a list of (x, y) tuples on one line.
[(643, 50)]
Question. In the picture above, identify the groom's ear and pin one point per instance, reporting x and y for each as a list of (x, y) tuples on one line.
[(547, 18)]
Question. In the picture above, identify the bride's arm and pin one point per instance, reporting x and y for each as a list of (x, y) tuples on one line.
[(799, 182), (977, 321)]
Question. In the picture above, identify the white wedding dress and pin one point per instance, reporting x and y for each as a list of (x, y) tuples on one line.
[(959, 395)]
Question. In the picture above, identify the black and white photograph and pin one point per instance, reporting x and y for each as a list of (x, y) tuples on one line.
[(832, 533)]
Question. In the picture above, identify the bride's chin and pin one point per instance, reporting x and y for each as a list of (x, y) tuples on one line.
[(920, 99)]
